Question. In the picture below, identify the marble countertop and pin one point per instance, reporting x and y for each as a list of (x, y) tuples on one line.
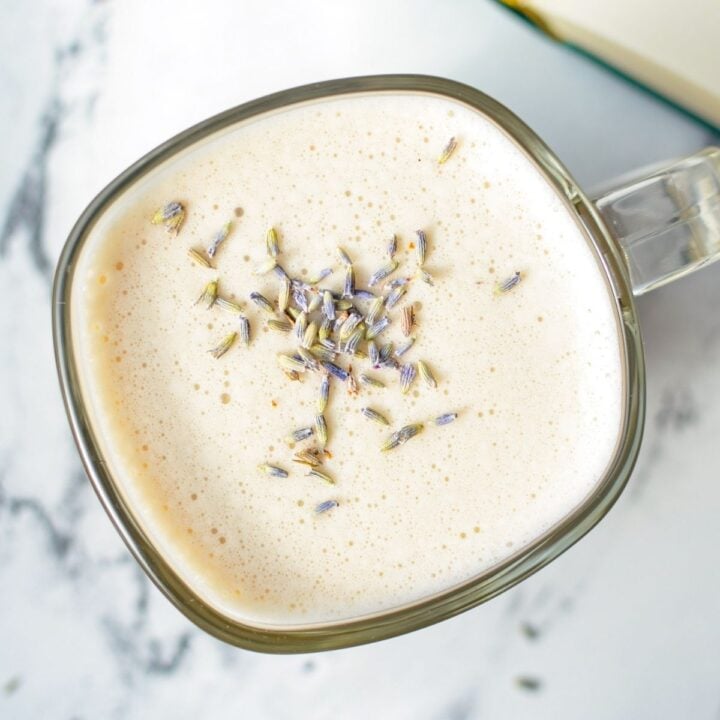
[(624, 625)]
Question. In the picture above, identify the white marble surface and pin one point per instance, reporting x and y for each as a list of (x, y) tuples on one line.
[(627, 620)]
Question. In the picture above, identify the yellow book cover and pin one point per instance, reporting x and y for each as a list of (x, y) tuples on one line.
[(669, 46)]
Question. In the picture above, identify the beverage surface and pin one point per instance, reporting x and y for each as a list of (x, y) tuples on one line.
[(533, 369)]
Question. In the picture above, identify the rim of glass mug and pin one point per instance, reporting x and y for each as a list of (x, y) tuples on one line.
[(456, 599)]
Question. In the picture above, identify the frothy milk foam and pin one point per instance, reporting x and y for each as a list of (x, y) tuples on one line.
[(535, 374)]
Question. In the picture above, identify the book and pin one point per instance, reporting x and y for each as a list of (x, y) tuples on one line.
[(671, 47)]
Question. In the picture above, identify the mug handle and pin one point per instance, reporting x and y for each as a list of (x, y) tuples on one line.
[(667, 222)]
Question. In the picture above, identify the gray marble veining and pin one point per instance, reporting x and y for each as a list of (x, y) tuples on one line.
[(623, 625)]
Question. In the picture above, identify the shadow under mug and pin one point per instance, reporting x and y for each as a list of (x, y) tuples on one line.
[(645, 233)]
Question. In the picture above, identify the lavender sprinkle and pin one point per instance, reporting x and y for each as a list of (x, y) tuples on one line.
[(244, 330), (265, 267), (395, 296), (220, 235), (421, 246), (392, 247), (271, 243), (379, 275), (262, 302), (228, 306), (282, 326), (371, 381), (335, 370), (309, 336), (373, 353), (301, 323), (402, 436), (322, 353), (349, 286), (321, 476), (351, 344), (386, 351), (199, 258), (344, 257), (291, 363), (407, 376), (324, 331), (310, 362), (309, 457), (209, 295), (325, 506), (348, 327), (168, 211), (426, 277), (324, 394), (300, 299), (352, 385), (407, 319), (374, 330), (316, 279), (321, 431), (448, 150), (279, 270), (402, 349), (375, 416), (301, 434), (328, 305), (225, 344), (364, 294), (171, 216), (376, 307), (409, 431), (426, 374), (273, 470), (284, 294), (398, 282), (508, 284)]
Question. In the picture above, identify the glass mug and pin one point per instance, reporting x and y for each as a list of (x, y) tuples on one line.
[(645, 233)]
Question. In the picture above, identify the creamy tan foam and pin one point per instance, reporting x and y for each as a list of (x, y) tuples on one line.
[(535, 374)]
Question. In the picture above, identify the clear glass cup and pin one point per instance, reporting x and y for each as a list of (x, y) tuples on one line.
[(646, 231)]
